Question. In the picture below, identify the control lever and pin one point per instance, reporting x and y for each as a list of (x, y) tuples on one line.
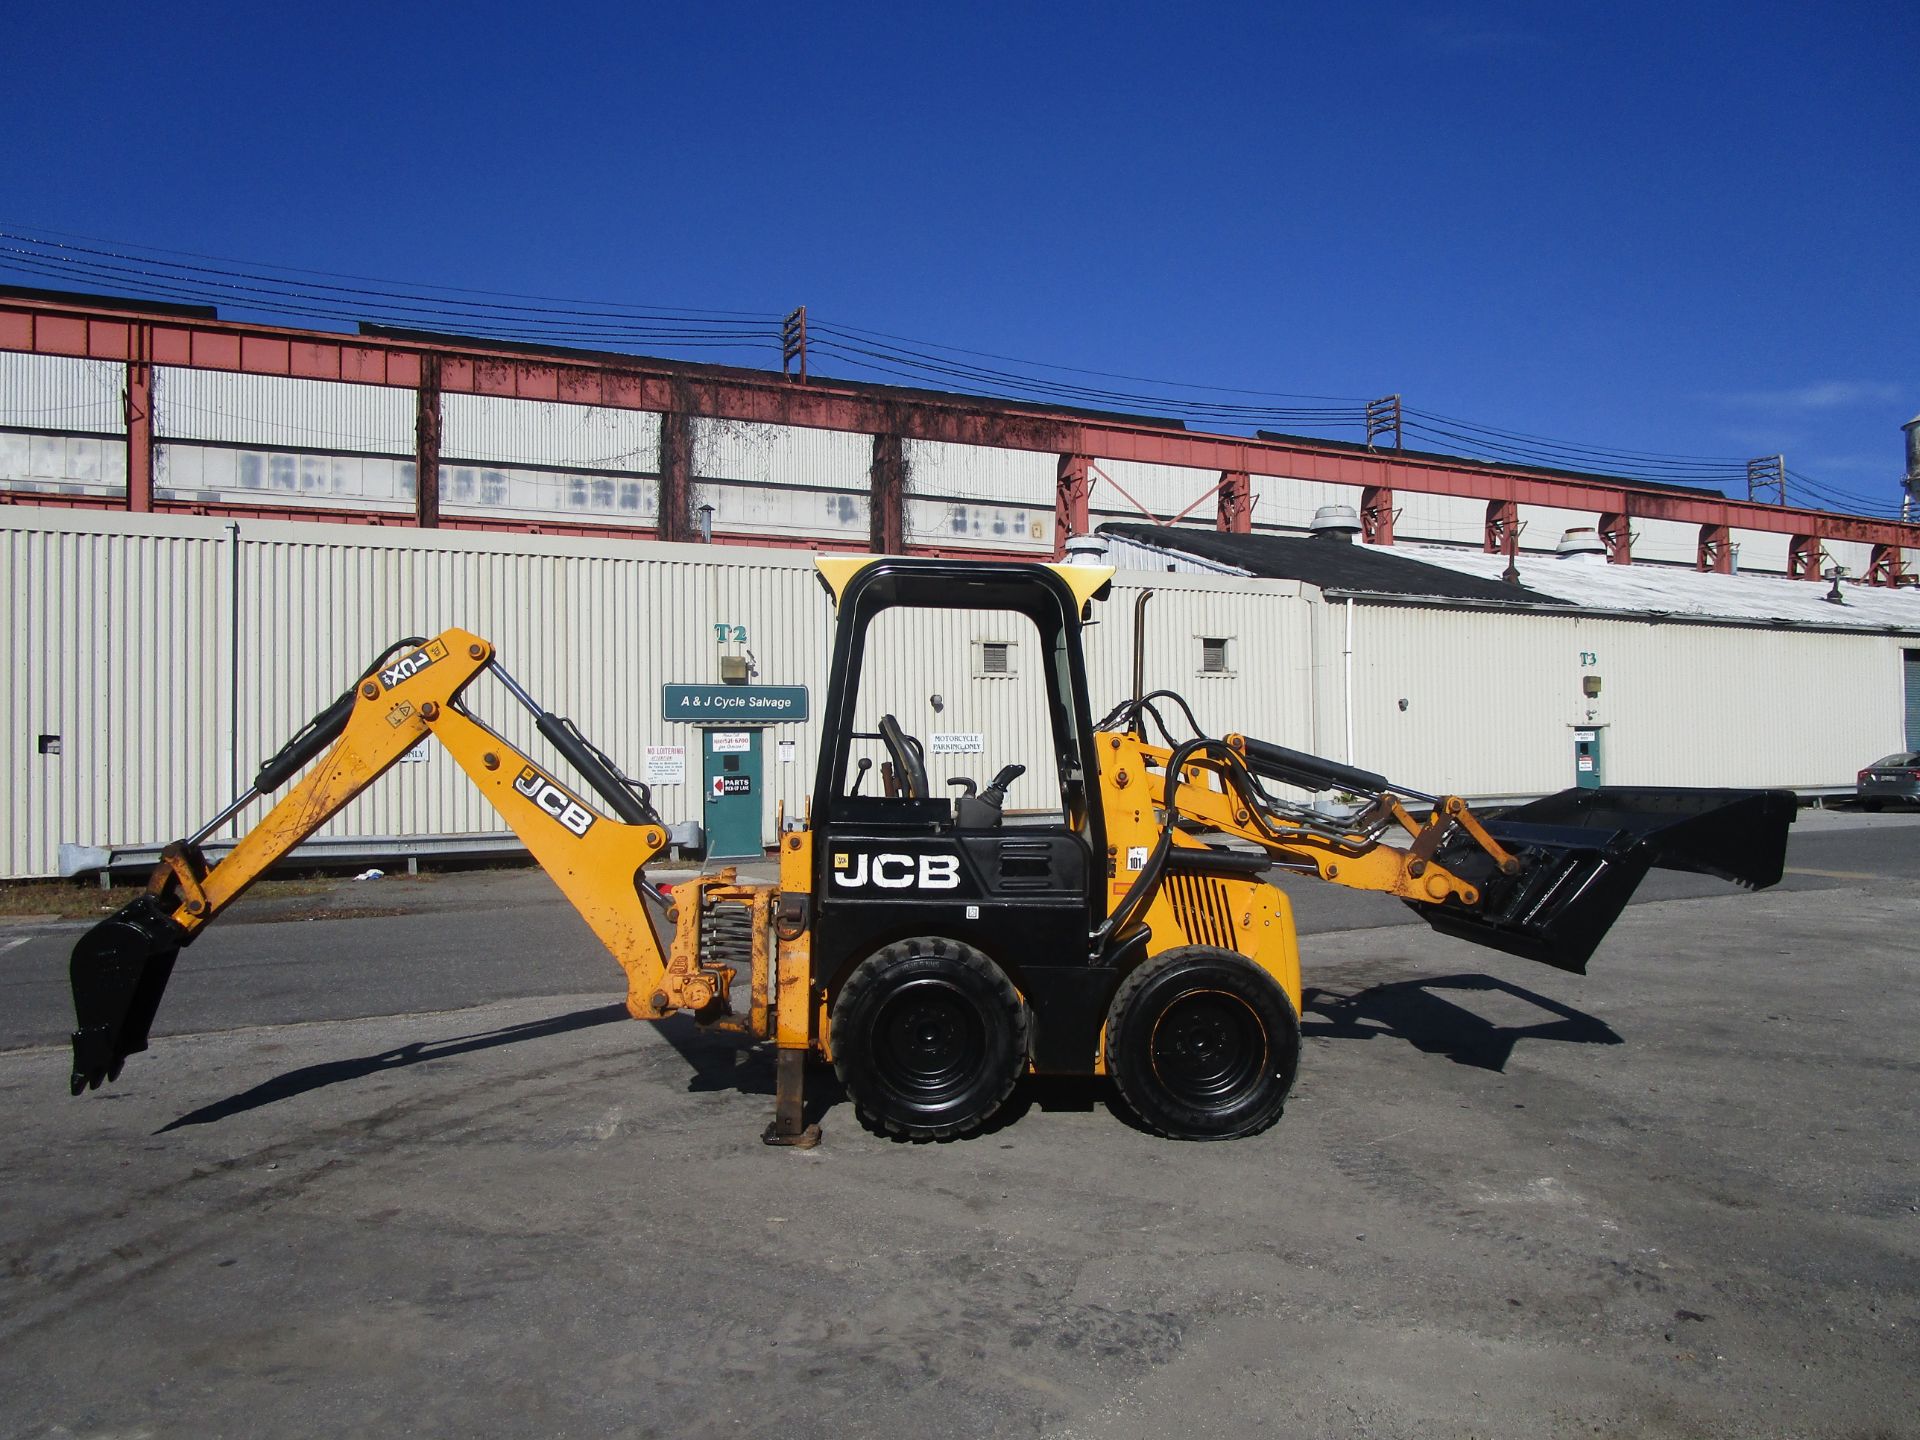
[(996, 791), (865, 765), (971, 790)]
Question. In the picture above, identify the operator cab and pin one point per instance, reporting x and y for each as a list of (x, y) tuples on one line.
[(953, 796)]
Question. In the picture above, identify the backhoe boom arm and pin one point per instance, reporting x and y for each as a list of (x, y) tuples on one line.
[(120, 968)]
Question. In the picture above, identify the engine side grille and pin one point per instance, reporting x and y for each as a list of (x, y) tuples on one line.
[(1200, 905)]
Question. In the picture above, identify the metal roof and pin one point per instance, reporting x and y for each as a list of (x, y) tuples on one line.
[(1329, 564), (1441, 575)]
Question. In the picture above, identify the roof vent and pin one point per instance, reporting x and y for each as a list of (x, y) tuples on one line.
[(1579, 541), (1086, 550), (1335, 522)]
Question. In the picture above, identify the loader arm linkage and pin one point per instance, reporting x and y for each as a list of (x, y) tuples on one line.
[(1545, 880), (121, 967)]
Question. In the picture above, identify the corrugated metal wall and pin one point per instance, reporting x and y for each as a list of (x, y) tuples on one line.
[(1491, 701), (1763, 550), (119, 634), (257, 438), (271, 410), (53, 392), (1444, 519), (549, 434), (115, 648), (1129, 489), (184, 471), (120, 629), (1671, 541), (78, 410), (1280, 502)]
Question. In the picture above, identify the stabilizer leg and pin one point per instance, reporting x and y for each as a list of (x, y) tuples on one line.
[(788, 1126)]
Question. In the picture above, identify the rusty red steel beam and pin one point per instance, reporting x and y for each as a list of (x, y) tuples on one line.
[(635, 383)]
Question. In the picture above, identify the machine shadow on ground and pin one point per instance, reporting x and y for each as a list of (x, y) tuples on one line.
[(309, 1078), (720, 1061), (1410, 1010)]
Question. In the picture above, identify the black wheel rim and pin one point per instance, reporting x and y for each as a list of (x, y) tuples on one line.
[(1208, 1048), (929, 1041)]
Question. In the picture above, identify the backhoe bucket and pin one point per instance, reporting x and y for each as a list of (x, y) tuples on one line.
[(120, 970), (1582, 854)]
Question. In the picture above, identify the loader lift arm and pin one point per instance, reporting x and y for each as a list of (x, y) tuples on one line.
[(121, 967), (1545, 881)]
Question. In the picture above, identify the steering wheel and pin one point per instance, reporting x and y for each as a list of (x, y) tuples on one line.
[(904, 751)]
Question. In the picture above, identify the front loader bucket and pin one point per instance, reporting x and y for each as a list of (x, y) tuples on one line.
[(1582, 853), (120, 970)]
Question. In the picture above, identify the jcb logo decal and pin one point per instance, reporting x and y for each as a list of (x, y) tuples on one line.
[(408, 666), (571, 814), (896, 872)]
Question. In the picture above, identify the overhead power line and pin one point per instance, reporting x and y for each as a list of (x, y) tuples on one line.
[(330, 297)]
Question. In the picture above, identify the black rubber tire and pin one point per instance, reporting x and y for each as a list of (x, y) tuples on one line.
[(1202, 1044), (929, 1037)]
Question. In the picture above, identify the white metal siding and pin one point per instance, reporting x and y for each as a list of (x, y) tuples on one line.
[(548, 434), (1280, 502), (1444, 519), (781, 455), (1021, 478), (63, 464), (1851, 555), (1762, 551), (116, 633), (1130, 488), (979, 525), (272, 410), (1269, 695), (796, 513), (1672, 541), (279, 477), (54, 392), (1492, 700), (502, 492), (113, 643)]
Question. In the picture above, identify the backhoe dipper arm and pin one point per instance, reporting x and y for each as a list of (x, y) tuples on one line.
[(120, 967)]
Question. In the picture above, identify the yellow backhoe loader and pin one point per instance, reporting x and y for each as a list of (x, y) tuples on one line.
[(936, 948)]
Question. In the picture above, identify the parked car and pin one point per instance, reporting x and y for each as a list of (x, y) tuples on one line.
[(1894, 777)]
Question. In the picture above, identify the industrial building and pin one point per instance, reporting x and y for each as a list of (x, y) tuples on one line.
[(212, 526)]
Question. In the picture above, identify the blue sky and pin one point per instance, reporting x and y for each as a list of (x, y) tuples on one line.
[(1675, 229)]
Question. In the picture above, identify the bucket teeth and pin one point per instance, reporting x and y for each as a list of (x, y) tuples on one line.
[(119, 971)]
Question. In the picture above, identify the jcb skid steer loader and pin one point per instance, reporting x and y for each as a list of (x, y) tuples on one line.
[(935, 948)]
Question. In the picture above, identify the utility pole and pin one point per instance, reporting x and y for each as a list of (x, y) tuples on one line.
[(1769, 472), (793, 343), (1383, 417)]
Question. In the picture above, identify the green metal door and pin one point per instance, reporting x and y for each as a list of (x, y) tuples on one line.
[(1586, 757), (730, 771)]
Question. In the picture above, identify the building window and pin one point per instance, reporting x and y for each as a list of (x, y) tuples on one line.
[(992, 658), (1213, 655)]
